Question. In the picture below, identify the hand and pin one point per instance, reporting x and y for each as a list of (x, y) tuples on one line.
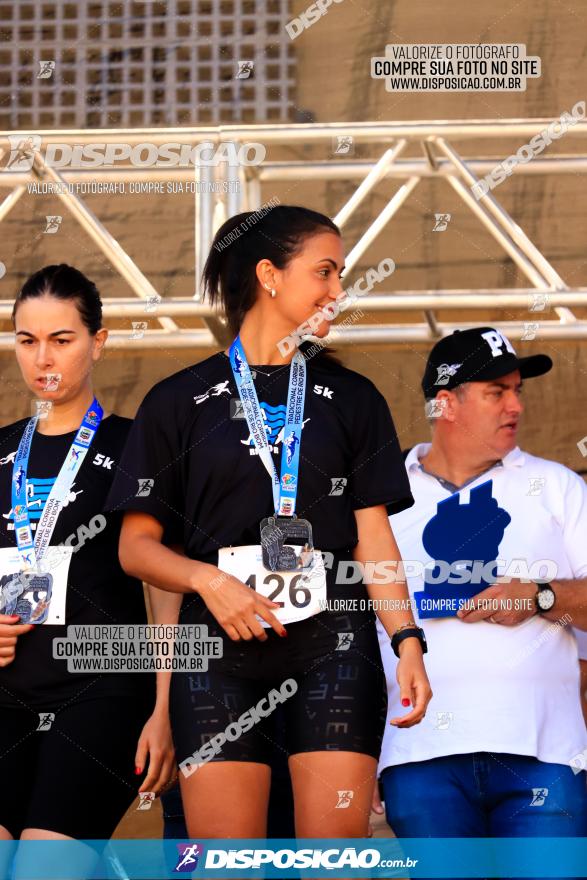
[(376, 806), (413, 683), (508, 603), (156, 744), (10, 630), (234, 605)]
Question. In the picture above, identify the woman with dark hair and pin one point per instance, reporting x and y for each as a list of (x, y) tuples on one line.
[(274, 479), (73, 745)]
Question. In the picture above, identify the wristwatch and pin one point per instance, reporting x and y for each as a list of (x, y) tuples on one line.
[(407, 633), (545, 597)]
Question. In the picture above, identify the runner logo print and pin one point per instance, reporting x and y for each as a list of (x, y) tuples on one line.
[(344, 800)]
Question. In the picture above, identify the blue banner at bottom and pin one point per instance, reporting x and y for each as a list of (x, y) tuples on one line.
[(536, 857)]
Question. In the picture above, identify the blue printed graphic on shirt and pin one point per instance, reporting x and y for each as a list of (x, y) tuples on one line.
[(462, 538), (37, 492), (274, 418)]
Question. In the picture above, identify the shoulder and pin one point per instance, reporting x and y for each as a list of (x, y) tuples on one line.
[(554, 474), (114, 427), (545, 465), (10, 434), (181, 387), (117, 423), (356, 383)]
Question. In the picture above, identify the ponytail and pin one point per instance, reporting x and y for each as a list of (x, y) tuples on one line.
[(277, 235)]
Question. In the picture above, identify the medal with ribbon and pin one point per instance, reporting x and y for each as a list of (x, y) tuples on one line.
[(282, 533), (32, 578)]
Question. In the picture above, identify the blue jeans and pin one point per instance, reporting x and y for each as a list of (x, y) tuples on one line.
[(485, 795)]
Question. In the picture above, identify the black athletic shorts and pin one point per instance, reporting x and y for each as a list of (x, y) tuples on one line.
[(340, 703), (76, 777)]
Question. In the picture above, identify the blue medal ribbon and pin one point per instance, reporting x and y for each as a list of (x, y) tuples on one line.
[(285, 489), (32, 550)]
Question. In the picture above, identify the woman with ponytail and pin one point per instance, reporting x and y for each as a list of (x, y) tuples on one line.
[(273, 473)]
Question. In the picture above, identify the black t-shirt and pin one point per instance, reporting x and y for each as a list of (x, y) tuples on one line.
[(192, 464), (98, 590)]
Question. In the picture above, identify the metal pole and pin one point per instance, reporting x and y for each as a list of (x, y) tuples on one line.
[(270, 133), (527, 267), (203, 222), (271, 172), (515, 231), (373, 231), (386, 301), (105, 241), (371, 334), (376, 174), (11, 200)]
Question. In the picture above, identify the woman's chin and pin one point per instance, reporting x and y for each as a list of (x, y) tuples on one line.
[(40, 392), (322, 330)]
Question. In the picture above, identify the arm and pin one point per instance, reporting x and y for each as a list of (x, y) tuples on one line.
[(164, 609), (142, 555), (376, 544), (234, 605), (155, 742), (512, 602), (570, 503), (583, 688), (571, 599)]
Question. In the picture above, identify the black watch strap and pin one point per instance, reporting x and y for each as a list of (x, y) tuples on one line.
[(409, 633)]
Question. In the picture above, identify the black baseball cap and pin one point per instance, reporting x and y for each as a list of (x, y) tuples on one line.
[(477, 355)]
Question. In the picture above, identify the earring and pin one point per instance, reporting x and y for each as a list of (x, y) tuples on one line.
[(272, 292)]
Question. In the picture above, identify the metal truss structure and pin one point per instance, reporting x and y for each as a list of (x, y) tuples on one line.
[(243, 185)]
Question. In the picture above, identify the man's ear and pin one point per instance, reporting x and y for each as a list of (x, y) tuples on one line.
[(447, 402)]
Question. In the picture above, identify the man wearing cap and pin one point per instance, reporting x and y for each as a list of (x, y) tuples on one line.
[(503, 747)]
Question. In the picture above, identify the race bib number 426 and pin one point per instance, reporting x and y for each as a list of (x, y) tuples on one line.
[(300, 594)]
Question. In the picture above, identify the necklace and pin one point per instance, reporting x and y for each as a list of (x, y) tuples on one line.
[(255, 369), (263, 373)]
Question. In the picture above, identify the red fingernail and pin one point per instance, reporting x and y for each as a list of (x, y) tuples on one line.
[(405, 702), (138, 771), (15, 616), (283, 633)]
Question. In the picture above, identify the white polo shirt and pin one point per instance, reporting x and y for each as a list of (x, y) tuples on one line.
[(496, 688)]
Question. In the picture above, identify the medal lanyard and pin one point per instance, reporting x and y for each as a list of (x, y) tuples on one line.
[(285, 490), (32, 552)]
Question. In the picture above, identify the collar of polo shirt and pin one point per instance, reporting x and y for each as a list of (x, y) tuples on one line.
[(515, 458)]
